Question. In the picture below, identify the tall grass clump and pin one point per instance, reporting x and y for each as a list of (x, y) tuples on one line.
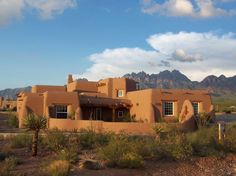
[(58, 168), (55, 140), (8, 166), (230, 139), (21, 141)]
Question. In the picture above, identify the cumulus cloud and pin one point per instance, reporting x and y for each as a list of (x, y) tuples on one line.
[(199, 9), (10, 10), (181, 56), (195, 54), (47, 9)]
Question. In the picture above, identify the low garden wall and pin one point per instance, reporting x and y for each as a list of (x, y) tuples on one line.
[(100, 126), (116, 127)]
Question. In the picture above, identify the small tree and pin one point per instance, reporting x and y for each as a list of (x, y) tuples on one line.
[(35, 123)]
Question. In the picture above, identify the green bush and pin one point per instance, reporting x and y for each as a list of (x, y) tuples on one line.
[(8, 166), (147, 147), (120, 153), (58, 168), (204, 141), (69, 154), (13, 120), (21, 141), (175, 147), (131, 160), (230, 139), (55, 140), (89, 139)]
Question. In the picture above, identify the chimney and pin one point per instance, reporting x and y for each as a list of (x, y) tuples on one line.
[(70, 79)]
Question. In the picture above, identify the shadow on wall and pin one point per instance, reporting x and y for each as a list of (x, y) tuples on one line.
[(157, 114)]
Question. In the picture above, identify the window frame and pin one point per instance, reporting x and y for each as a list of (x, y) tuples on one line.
[(118, 114), (63, 110), (118, 93), (195, 102), (164, 108)]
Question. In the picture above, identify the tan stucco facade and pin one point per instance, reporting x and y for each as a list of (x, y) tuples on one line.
[(6, 104), (110, 100)]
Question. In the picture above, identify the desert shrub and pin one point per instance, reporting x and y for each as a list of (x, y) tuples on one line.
[(230, 139), (175, 147), (120, 153), (203, 120), (21, 141), (8, 166), (13, 120), (58, 168), (131, 160), (55, 140), (147, 147), (69, 154), (204, 141), (89, 139)]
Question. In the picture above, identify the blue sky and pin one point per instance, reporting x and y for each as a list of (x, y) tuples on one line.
[(41, 41)]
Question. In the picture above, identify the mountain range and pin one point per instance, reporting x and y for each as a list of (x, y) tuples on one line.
[(218, 86), (176, 80)]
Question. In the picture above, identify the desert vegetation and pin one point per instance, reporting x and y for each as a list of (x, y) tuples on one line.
[(62, 153)]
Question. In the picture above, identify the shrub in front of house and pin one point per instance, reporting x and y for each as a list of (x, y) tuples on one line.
[(55, 140), (230, 139), (8, 166), (58, 168), (204, 141), (21, 141), (119, 152), (12, 120)]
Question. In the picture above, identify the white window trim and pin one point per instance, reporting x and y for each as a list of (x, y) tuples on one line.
[(120, 90), (173, 108)]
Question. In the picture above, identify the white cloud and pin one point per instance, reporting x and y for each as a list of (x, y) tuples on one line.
[(10, 10), (195, 54), (181, 56), (47, 9), (199, 9)]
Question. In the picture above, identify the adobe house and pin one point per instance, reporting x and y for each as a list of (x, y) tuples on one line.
[(6, 104), (110, 100)]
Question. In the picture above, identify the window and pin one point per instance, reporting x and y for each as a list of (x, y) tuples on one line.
[(61, 112), (137, 86), (120, 93), (120, 114), (195, 107), (168, 108)]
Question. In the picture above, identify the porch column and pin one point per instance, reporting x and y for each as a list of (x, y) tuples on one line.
[(113, 114)]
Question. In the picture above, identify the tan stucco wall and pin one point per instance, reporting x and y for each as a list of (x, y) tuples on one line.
[(141, 105), (44, 88), (60, 98), (82, 86), (148, 104)]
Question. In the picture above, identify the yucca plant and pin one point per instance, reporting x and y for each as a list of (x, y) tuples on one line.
[(35, 123)]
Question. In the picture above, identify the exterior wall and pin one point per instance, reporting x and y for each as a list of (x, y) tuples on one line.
[(82, 86), (60, 98), (148, 104), (99, 126), (110, 86), (45, 88), (142, 105)]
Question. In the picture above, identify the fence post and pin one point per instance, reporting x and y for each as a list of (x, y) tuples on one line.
[(221, 132)]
